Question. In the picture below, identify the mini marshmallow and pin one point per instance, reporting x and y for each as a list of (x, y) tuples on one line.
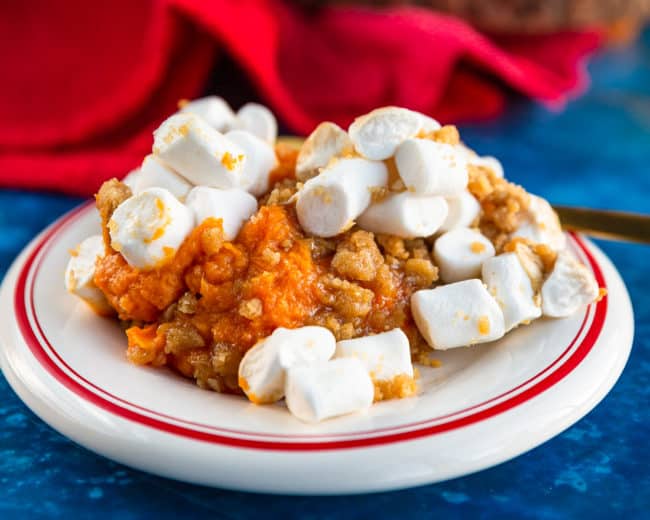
[(131, 178), (508, 282), (431, 168), (328, 204), (384, 355), (80, 273), (320, 391), (326, 141), (262, 370), (457, 315), (259, 121), (488, 162), (233, 207), (405, 215), (531, 263), (260, 159), (460, 253), (155, 174), (463, 209), (199, 153), (215, 110), (428, 124), (569, 287), (468, 154), (377, 135), (542, 225), (149, 227)]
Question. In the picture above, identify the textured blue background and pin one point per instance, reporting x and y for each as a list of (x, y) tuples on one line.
[(595, 153)]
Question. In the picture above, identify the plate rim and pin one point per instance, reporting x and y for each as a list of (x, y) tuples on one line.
[(22, 265)]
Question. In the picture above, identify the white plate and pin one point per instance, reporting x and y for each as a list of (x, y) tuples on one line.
[(485, 405)]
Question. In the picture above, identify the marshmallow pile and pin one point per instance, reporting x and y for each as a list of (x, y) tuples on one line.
[(485, 295), (207, 162), (318, 377), (386, 175), (420, 184)]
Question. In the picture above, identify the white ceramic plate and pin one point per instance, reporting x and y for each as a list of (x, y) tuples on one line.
[(485, 405)]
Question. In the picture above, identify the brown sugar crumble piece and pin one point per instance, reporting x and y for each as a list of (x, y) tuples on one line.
[(503, 204), (422, 357), (251, 309), (393, 246), (447, 134), (483, 325), (181, 336), (358, 257), (282, 193), (399, 387), (229, 161), (477, 247), (110, 195), (546, 255), (378, 193), (422, 271), (348, 298)]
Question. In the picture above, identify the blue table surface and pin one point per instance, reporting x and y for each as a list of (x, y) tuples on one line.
[(594, 153)]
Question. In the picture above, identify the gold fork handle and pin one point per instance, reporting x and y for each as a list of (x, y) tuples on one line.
[(611, 225)]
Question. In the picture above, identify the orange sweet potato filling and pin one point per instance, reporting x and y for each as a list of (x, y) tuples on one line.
[(240, 291), (214, 299)]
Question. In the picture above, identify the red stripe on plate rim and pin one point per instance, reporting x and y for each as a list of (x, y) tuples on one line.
[(24, 296)]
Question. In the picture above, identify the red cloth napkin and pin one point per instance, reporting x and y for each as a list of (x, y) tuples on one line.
[(85, 83)]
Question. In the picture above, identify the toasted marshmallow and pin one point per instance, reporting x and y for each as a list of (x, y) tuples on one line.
[(428, 124), (323, 390), (155, 174), (215, 110), (405, 215), (508, 282), (262, 370), (149, 227), (384, 355), (460, 253), (200, 153), (233, 207), (377, 135), (477, 160), (462, 211), (490, 162), (532, 264), (329, 203), (80, 273), (542, 225), (431, 168), (569, 287), (259, 121), (326, 141), (260, 159), (468, 154), (131, 178), (456, 315)]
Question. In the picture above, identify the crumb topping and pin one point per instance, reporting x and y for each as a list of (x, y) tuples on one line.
[(503, 204), (483, 325)]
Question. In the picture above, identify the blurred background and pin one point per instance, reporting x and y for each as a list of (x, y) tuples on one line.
[(558, 90), (85, 83)]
